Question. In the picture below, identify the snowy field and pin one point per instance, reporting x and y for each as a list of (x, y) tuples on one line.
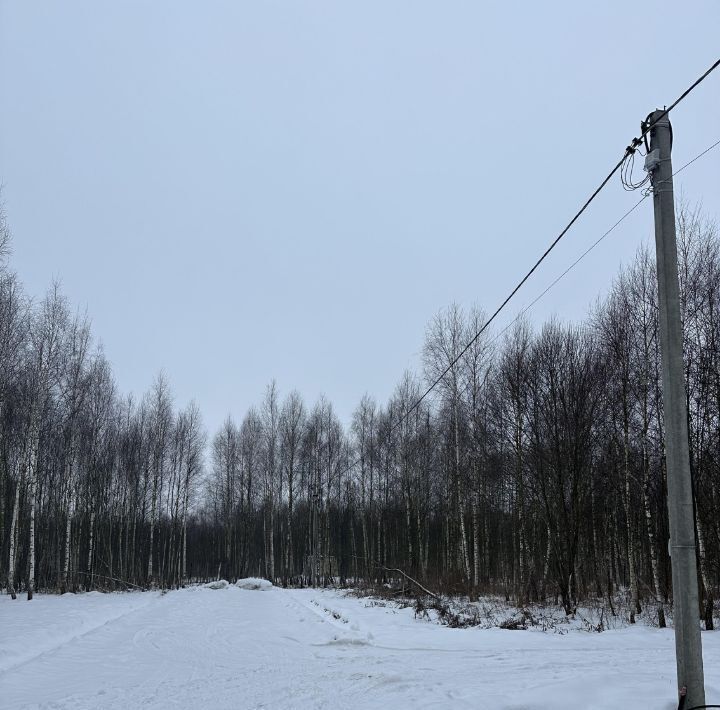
[(241, 648)]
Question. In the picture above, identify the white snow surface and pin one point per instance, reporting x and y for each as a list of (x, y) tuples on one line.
[(225, 648)]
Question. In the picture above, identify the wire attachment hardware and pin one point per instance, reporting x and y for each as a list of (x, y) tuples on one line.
[(652, 160)]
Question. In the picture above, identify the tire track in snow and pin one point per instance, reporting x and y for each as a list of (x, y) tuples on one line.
[(22, 659), (245, 650)]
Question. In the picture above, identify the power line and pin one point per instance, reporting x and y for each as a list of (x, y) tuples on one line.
[(646, 126), (690, 162), (569, 268), (550, 286), (629, 151), (595, 244), (682, 96)]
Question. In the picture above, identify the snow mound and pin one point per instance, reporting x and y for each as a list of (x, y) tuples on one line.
[(218, 584), (254, 583)]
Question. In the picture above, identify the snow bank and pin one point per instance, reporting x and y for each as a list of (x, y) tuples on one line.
[(217, 584), (254, 583)]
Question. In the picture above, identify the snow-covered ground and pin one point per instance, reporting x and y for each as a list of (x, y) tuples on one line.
[(238, 648)]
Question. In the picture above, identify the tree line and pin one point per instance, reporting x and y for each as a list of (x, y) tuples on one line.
[(536, 469)]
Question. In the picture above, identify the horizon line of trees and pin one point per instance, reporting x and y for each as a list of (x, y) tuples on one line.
[(536, 470)]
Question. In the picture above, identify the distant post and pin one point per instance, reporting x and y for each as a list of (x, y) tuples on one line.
[(686, 608)]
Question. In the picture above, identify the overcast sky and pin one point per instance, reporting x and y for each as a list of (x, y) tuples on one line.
[(241, 191)]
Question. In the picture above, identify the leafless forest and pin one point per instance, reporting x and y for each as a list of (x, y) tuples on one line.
[(535, 470)]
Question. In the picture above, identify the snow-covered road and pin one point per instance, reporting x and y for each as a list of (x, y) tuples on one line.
[(233, 648)]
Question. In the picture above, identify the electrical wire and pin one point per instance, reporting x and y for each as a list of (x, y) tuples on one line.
[(596, 243), (690, 162), (626, 173), (682, 96), (646, 127), (554, 283)]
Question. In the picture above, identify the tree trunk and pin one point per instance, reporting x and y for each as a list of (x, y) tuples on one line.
[(709, 602), (68, 531), (651, 541), (476, 543), (634, 594), (91, 550), (13, 538), (33, 488), (153, 514)]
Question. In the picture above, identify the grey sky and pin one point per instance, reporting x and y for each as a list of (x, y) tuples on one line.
[(244, 191)]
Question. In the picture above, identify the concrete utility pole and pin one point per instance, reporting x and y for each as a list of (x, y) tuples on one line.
[(686, 609)]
